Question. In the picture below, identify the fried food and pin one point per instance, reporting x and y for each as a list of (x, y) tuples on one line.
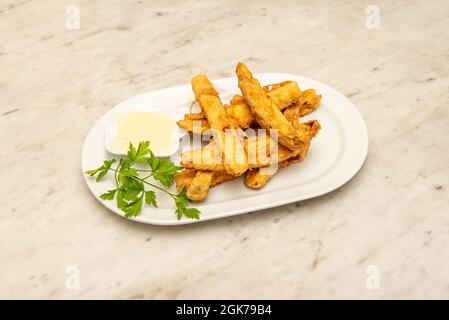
[(213, 110), (256, 178), (219, 177), (283, 94), (267, 115), (307, 102), (258, 149), (196, 126), (199, 187), (194, 116), (234, 156), (232, 152), (286, 95), (235, 159), (239, 112), (202, 85), (199, 191), (208, 158), (184, 178), (210, 103)]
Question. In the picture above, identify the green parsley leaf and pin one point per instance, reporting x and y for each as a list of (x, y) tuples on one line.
[(94, 171), (150, 198), (192, 213), (131, 188), (181, 198), (131, 152), (130, 208), (181, 202), (178, 213), (109, 195), (163, 170), (142, 150), (103, 170), (129, 172), (138, 155), (125, 164)]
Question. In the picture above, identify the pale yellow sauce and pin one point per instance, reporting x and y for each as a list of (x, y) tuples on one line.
[(145, 126)]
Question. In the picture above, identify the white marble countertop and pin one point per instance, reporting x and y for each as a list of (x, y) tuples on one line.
[(390, 223)]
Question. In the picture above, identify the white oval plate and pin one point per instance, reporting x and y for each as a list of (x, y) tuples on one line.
[(335, 155)]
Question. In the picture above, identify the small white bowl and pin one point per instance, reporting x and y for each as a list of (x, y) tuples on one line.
[(174, 113)]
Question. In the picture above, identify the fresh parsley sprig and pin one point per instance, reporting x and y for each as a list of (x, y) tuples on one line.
[(130, 187)]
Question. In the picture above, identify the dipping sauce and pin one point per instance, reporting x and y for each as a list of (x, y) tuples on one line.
[(145, 126)]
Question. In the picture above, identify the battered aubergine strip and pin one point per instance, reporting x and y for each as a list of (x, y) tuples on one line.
[(267, 114), (307, 102), (234, 156), (197, 126), (184, 178), (283, 94), (205, 94), (218, 120), (255, 179)]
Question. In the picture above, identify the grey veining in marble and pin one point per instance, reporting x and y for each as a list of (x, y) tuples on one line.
[(394, 215)]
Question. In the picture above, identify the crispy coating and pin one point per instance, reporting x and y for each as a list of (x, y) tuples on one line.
[(307, 102), (199, 187), (262, 151), (267, 115), (283, 94), (257, 149), (188, 177), (210, 103), (239, 112), (197, 126), (217, 118), (256, 179), (207, 158), (194, 116), (184, 178), (202, 85), (214, 111), (219, 177), (234, 157)]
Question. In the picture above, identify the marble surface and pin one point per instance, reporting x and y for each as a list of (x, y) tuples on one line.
[(390, 222)]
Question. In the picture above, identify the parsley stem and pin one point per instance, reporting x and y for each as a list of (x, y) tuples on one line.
[(116, 170), (155, 186), (148, 176), (115, 173), (139, 170)]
